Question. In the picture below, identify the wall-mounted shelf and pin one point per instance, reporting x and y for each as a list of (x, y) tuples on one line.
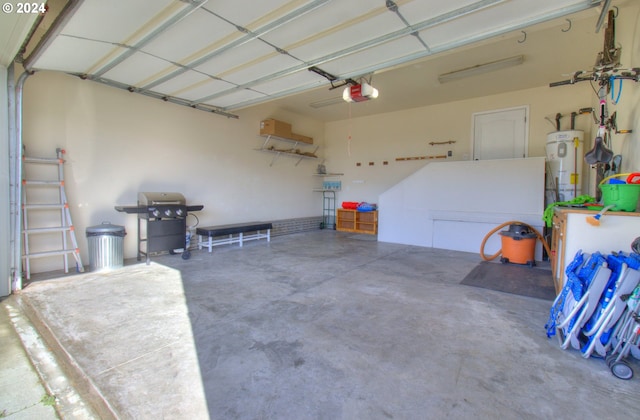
[(328, 190), (329, 185), (286, 152)]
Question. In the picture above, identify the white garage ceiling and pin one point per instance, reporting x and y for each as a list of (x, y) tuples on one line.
[(14, 28), (226, 55)]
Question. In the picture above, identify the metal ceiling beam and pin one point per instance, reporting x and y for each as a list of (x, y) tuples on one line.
[(56, 27), (603, 14), (240, 41), (281, 94), (482, 37), (393, 7), (157, 95), (408, 58), (193, 5), (454, 14), (59, 25), (73, 5)]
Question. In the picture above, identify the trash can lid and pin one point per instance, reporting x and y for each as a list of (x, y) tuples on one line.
[(106, 228)]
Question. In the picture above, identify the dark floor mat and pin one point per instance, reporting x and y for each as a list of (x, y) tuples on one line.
[(515, 279)]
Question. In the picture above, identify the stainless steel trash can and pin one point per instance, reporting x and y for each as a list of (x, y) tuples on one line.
[(106, 246)]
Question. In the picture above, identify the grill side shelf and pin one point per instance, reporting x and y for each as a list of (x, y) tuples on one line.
[(131, 209)]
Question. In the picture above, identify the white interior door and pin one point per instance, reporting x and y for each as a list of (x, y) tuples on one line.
[(500, 134)]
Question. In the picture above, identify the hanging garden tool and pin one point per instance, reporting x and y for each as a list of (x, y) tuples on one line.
[(433, 143), (613, 122), (614, 167)]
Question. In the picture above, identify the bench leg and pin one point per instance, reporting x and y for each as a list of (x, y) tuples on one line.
[(208, 244)]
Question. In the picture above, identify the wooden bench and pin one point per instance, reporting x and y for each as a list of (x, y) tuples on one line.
[(257, 230)]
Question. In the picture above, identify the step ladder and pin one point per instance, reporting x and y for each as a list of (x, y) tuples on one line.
[(47, 209)]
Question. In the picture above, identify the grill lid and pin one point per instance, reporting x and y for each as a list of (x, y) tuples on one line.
[(160, 198)]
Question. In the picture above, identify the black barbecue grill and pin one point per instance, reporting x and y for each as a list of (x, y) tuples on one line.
[(162, 222)]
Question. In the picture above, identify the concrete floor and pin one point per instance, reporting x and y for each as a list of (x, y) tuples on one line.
[(320, 325), (22, 393)]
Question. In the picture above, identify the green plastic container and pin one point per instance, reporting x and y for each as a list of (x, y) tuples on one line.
[(623, 196)]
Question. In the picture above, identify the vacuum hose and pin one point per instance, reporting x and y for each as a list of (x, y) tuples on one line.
[(497, 254)]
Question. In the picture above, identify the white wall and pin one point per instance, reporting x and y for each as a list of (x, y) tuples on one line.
[(5, 252), (453, 205), (119, 144), (408, 133)]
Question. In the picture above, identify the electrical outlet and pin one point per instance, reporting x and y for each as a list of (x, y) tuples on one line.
[(450, 153)]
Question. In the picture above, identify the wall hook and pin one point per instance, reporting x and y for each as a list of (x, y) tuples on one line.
[(569, 28), (521, 41)]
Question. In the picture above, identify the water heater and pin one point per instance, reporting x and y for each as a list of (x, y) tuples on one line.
[(565, 152)]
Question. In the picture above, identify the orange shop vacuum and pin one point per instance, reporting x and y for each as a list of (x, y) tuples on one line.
[(518, 244)]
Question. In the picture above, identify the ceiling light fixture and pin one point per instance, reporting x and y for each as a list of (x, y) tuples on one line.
[(481, 69), (359, 93), (326, 102)]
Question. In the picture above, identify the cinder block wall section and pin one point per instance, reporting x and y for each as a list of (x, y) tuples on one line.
[(289, 226)]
